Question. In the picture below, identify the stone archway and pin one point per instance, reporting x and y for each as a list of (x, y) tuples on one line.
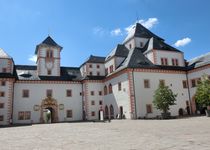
[(51, 103)]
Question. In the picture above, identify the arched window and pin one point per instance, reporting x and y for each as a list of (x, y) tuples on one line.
[(106, 115), (111, 108), (105, 90), (110, 88)]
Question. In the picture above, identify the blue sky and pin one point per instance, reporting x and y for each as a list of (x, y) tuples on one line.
[(85, 27)]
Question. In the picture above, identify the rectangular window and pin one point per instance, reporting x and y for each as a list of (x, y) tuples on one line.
[(2, 94), (193, 83), (90, 66), (111, 68), (184, 83), (162, 82), (4, 70), (68, 93), (3, 83), (119, 86), (93, 113), (100, 102), (130, 46), (149, 108), (49, 93), (146, 84), (90, 73), (106, 71), (98, 66), (176, 62), (21, 115), (69, 113), (25, 93), (164, 61), (49, 72), (27, 115), (141, 44), (1, 105), (1, 118), (98, 73), (173, 62), (100, 93), (92, 93), (92, 102)]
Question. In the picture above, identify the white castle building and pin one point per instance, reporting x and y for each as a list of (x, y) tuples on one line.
[(121, 84)]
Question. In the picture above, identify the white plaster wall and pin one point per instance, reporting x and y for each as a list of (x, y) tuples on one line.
[(109, 63), (144, 96), (83, 70), (138, 40), (4, 64), (119, 60), (119, 98), (38, 93), (94, 69), (169, 55), (195, 75), (96, 87), (41, 62), (132, 42), (150, 56)]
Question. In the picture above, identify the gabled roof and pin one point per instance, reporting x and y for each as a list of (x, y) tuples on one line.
[(3, 54), (199, 61), (49, 42), (94, 59), (30, 73), (139, 30), (119, 51)]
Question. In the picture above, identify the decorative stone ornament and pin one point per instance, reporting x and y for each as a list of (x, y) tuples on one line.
[(61, 106), (36, 107)]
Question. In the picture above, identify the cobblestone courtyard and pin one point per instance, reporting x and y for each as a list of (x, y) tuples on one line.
[(191, 134)]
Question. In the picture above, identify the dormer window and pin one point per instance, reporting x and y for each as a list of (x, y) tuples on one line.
[(130, 46), (141, 44)]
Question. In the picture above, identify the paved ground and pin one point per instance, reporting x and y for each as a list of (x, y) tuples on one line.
[(180, 134)]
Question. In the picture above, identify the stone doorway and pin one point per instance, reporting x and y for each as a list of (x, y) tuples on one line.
[(49, 104)]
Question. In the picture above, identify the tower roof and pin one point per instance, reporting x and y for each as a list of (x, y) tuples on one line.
[(3, 54), (139, 30), (49, 42)]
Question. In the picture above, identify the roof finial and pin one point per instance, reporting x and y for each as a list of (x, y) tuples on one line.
[(48, 31), (137, 17)]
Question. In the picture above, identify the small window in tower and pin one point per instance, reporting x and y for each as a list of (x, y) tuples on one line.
[(98, 66), (2, 94), (49, 72)]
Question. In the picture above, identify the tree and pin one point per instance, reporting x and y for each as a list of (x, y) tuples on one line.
[(202, 95), (164, 98)]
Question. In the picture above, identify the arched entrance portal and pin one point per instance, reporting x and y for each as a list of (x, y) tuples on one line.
[(49, 107)]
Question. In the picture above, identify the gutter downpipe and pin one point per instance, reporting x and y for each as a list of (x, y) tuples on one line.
[(134, 95)]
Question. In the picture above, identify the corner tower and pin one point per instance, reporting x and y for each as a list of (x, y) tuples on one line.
[(48, 58)]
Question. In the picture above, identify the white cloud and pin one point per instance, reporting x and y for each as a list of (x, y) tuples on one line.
[(99, 31), (149, 23), (116, 32), (32, 58), (183, 42)]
